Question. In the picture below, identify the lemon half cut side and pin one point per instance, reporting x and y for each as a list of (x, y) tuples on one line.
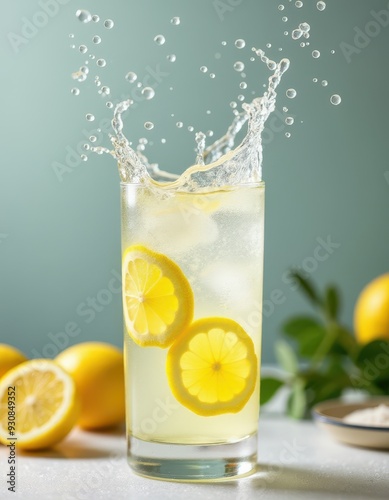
[(157, 297), (212, 369), (45, 403)]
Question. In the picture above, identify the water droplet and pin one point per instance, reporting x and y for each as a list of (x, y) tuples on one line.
[(203, 69), (96, 39), (302, 44), (314, 80), (148, 93), (71, 35), (241, 97), (224, 43), (208, 111), (233, 104), (291, 93), (83, 49), (80, 75), (252, 59), (286, 33), (281, 7), (179, 124), (212, 75), (163, 140), (324, 83), (101, 62), (93, 138), (89, 117), (315, 54), (271, 65), (268, 45), (284, 19), (243, 85), (243, 75), (321, 5), (332, 51), (75, 91), (105, 90), (159, 39), (84, 158), (109, 104), (175, 20), (190, 128), (72, 46), (240, 43), (289, 120), (305, 27), (170, 88), (131, 76), (92, 56), (86, 146), (171, 57), (109, 24), (238, 66), (287, 134), (95, 18), (149, 125), (83, 15), (299, 4), (335, 99), (296, 34), (139, 85)]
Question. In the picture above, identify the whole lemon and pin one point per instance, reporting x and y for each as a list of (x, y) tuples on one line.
[(98, 371), (9, 357), (371, 313)]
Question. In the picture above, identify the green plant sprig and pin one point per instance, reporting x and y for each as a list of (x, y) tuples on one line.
[(321, 357)]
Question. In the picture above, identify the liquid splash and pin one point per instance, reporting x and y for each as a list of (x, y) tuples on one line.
[(218, 166), (221, 165)]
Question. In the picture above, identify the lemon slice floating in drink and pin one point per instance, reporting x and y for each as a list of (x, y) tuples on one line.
[(39, 404), (212, 369), (157, 297)]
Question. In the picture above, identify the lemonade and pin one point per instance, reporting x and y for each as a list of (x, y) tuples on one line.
[(209, 248), (192, 273)]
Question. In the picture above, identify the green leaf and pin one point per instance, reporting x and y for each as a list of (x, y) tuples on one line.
[(345, 342), (307, 332), (269, 387), (297, 402), (307, 287), (297, 324), (332, 302), (321, 386), (373, 361), (286, 356)]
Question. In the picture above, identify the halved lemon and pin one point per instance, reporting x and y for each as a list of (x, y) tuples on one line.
[(212, 369), (157, 297), (39, 404)]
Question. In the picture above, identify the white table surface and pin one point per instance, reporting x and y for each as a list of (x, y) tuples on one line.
[(296, 461)]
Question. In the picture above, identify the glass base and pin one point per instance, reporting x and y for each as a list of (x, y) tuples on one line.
[(183, 462)]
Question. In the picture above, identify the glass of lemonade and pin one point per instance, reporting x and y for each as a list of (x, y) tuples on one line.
[(192, 300)]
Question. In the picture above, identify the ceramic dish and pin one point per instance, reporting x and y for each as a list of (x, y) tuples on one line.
[(329, 416)]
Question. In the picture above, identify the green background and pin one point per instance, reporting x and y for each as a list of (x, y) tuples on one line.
[(60, 235)]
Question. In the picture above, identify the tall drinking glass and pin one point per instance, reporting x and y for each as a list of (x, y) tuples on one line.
[(192, 300)]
